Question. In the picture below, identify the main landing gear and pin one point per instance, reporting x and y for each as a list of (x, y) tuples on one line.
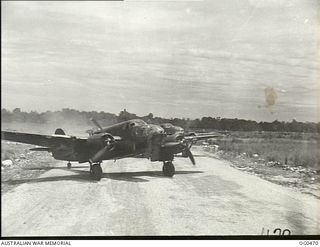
[(96, 171), (69, 165), (168, 169)]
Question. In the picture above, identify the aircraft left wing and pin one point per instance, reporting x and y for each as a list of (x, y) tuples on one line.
[(49, 141)]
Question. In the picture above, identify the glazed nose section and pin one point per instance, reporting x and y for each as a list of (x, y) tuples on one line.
[(156, 130), (148, 131)]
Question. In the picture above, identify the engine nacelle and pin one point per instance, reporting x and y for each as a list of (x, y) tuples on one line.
[(100, 140)]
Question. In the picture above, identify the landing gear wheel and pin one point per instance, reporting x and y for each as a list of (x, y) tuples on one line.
[(168, 169), (96, 172), (69, 165)]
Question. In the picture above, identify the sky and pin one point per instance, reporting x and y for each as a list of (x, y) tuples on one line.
[(172, 58)]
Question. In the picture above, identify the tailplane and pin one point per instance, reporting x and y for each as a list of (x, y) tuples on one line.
[(59, 131)]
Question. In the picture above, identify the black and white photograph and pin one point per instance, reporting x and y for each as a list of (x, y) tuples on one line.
[(160, 119)]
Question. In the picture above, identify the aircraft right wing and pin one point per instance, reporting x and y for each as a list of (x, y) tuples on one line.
[(195, 138)]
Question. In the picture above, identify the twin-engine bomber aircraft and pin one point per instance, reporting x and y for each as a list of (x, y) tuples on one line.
[(133, 138)]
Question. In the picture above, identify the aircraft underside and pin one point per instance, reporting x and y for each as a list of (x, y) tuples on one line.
[(95, 170), (168, 169)]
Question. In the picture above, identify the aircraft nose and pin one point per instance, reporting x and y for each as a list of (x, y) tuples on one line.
[(149, 131), (157, 130), (157, 135)]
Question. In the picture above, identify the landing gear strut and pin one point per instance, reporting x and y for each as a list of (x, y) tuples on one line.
[(168, 169), (69, 165), (96, 171)]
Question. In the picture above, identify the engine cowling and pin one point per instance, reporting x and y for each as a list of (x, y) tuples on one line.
[(99, 141), (102, 143)]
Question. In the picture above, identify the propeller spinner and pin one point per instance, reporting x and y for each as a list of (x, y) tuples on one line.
[(107, 143)]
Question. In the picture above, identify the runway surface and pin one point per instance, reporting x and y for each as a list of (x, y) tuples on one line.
[(134, 199)]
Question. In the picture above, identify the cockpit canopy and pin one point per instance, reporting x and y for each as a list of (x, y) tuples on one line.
[(166, 125), (138, 122)]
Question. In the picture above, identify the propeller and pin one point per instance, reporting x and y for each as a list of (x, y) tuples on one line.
[(187, 146), (108, 141), (99, 155), (177, 147), (190, 155), (96, 123)]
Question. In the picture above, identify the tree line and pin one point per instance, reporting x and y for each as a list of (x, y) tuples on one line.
[(105, 118)]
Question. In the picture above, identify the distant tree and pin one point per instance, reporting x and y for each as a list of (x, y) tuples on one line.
[(6, 116), (33, 117), (17, 111), (83, 117), (124, 116)]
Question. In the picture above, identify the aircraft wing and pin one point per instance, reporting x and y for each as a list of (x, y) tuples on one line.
[(64, 147), (195, 138), (49, 141)]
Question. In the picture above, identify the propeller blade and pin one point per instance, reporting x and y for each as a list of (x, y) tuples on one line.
[(99, 155), (96, 123), (190, 155)]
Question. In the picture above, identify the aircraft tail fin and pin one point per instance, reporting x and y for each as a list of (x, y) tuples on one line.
[(59, 131)]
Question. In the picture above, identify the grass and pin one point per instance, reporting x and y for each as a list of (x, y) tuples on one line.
[(285, 148), (12, 151), (23, 159), (289, 159)]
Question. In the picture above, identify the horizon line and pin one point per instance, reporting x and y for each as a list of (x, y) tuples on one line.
[(186, 119)]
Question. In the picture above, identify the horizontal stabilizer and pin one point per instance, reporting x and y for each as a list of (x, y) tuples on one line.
[(40, 149)]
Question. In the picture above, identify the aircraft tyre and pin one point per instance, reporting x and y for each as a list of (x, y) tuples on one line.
[(69, 165), (96, 172), (168, 169)]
